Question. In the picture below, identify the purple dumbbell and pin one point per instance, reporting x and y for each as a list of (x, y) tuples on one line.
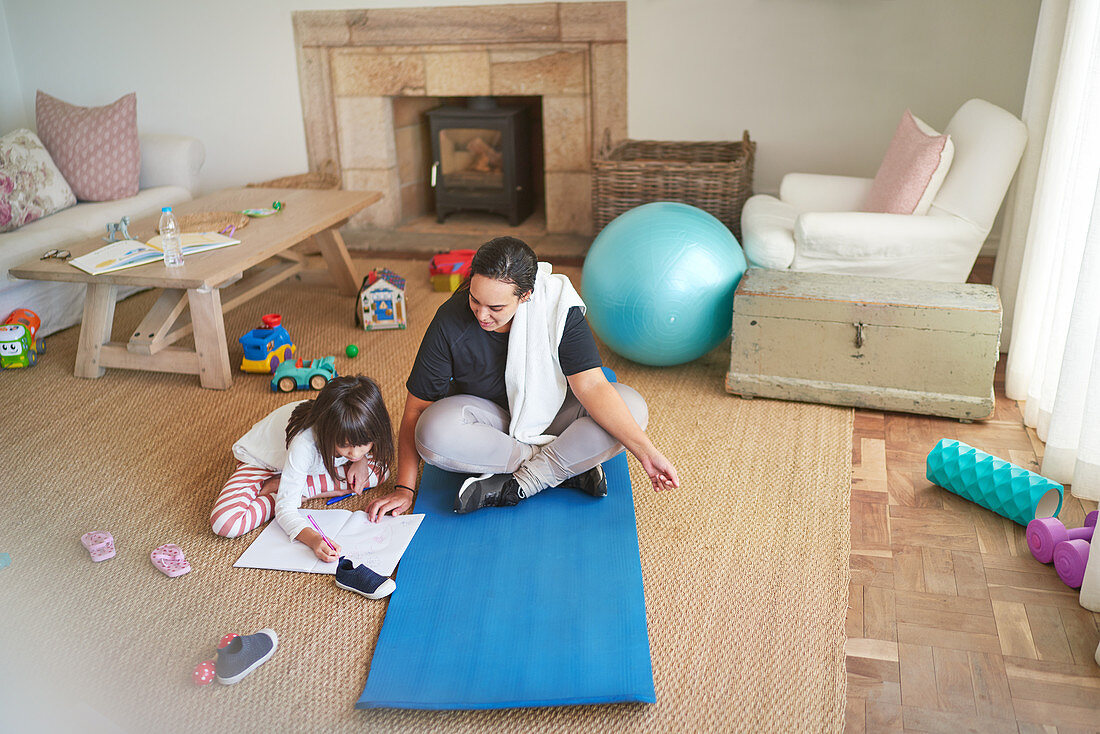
[(1045, 533), (1070, 559)]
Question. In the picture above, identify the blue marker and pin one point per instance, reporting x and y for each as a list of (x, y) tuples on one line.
[(337, 499)]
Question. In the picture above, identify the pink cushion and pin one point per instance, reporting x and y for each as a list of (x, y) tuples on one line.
[(912, 170), (96, 148)]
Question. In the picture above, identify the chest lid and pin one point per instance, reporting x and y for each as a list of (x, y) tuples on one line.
[(919, 304)]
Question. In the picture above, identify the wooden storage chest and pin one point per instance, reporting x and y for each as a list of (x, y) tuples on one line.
[(882, 343)]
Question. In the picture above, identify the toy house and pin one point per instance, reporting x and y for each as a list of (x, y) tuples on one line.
[(381, 301)]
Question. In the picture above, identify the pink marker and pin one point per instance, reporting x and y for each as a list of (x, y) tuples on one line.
[(322, 532)]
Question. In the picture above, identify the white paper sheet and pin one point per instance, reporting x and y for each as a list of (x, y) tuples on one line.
[(378, 546)]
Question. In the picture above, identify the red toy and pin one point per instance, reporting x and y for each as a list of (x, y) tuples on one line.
[(26, 317), (204, 673), (449, 269)]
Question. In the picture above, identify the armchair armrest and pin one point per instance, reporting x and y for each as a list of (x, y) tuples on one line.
[(813, 192), (941, 248), (171, 160)]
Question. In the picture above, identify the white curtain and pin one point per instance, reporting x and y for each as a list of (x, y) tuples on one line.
[(1048, 266)]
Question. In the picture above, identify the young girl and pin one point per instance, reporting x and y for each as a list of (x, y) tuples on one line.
[(295, 453)]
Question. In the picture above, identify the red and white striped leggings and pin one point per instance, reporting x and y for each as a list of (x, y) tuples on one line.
[(239, 508)]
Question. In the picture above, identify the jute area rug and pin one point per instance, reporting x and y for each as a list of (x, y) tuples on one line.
[(745, 566)]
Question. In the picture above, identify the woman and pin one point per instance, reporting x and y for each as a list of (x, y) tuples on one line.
[(508, 385)]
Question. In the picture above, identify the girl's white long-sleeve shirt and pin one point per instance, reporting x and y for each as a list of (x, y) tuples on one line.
[(265, 445)]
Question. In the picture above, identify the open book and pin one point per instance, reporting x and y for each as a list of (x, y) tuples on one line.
[(131, 253), (377, 545)]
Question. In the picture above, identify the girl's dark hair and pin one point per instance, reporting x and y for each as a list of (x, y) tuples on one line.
[(508, 260), (347, 412)]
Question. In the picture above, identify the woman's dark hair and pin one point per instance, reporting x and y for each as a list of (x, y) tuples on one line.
[(508, 260), (347, 412)]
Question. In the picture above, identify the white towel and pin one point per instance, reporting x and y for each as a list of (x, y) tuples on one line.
[(533, 376)]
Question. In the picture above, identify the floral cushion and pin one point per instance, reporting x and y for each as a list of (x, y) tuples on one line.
[(31, 187), (95, 148)]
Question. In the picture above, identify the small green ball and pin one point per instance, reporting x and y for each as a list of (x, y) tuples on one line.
[(352, 350)]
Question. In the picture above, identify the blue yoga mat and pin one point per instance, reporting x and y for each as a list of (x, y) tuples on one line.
[(540, 604)]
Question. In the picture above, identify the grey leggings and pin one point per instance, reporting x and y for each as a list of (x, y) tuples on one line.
[(467, 434)]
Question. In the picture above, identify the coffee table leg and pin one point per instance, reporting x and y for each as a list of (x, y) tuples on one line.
[(209, 330), (95, 328), (340, 266)]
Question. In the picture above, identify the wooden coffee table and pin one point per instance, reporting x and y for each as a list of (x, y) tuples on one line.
[(195, 297)]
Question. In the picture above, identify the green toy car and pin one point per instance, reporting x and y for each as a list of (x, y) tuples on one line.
[(291, 376)]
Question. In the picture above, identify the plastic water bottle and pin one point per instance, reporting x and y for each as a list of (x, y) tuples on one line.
[(170, 238)]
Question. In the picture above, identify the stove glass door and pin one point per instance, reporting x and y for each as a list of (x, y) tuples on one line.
[(470, 159)]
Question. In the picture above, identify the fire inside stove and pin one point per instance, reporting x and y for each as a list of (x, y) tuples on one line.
[(471, 158)]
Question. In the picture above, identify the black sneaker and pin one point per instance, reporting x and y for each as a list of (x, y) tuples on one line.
[(488, 490), (362, 580), (592, 482)]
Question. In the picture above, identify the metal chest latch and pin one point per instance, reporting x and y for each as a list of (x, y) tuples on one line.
[(859, 333)]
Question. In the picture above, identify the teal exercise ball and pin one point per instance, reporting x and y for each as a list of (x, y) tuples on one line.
[(659, 281)]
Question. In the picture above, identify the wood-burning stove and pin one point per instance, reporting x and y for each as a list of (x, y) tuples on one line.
[(482, 159)]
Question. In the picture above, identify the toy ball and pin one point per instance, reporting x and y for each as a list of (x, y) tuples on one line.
[(351, 350), (204, 673), (227, 639), (659, 281)]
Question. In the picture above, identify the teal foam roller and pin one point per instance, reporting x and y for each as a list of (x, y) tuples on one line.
[(1009, 490)]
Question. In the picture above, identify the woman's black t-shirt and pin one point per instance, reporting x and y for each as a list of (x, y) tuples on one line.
[(458, 357)]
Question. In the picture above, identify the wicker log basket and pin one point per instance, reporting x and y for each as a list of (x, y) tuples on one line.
[(325, 177), (714, 176)]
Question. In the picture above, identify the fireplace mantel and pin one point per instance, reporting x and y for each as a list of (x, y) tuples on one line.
[(353, 63)]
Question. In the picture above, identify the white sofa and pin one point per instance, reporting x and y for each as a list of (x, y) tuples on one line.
[(169, 175), (816, 223)]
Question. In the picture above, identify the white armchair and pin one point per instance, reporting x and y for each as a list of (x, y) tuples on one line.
[(817, 224)]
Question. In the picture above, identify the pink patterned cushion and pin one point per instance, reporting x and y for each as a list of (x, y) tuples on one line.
[(912, 170), (96, 148), (31, 187)]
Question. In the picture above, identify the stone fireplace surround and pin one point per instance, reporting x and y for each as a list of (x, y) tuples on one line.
[(353, 65)]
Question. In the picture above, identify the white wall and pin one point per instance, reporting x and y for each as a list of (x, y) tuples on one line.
[(13, 113), (820, 84)]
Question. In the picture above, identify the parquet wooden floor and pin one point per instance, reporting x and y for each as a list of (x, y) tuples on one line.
[(952, 625)]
